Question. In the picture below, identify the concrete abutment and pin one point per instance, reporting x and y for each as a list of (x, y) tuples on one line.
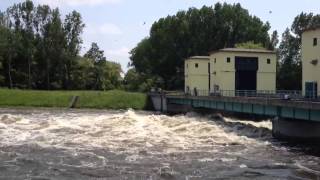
[(296, 130)]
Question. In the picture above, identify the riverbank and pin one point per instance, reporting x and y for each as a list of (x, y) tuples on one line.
[(114, 99)]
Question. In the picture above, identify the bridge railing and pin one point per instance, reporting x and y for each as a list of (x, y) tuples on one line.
[(278, 94)]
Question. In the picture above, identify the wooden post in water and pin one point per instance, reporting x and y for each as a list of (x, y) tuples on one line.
[(161, 96), (74, 101)]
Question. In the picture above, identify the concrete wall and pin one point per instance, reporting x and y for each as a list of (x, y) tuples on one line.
[(197, 77), (159, 102), (223, 73), (296, 130), (266, 81), (310, 72)]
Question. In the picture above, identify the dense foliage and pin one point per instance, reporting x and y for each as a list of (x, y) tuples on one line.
[(194, 32), (198, 31), (289, 75), (40, 50), (249, 45)]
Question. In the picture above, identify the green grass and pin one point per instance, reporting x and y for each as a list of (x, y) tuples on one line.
[(88, 99)]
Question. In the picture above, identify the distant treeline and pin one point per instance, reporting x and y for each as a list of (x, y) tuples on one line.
[(40, 50), (158, 60)]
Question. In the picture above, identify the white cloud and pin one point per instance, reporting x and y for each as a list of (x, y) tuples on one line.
[(103, 29), (91, 2), (121, 52), (59, 3), (120, 55), (51, 3), (109, 29)]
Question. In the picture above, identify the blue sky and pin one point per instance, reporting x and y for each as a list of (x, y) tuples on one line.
[(118, 25)]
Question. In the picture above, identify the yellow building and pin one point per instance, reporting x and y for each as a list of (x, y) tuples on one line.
[(197, 74), (235, 69), (310, 62)]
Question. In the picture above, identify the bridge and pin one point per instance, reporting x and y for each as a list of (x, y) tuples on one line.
[(294, 116)]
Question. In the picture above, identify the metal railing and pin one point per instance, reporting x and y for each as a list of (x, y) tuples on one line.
[(278, 94)]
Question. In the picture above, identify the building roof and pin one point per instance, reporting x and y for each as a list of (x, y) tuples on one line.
[(311, 29), (198, 58), (243, 50)]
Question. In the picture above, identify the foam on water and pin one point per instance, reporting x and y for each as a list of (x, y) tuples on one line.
[(130, 131), (98, 144)]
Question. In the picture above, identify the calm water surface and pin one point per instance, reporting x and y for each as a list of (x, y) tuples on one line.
[(88, 144)]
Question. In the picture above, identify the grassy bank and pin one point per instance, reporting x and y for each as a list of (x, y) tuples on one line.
[(88, 99)]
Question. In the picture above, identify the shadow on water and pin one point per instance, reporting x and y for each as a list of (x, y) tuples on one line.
[(242, 128), (36, 162)]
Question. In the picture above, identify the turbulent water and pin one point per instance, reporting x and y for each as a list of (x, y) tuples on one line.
[(86, 144)]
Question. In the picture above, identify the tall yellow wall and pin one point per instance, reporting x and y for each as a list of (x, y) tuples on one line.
[(266, 82), (197, 77), (310, 73), (225, 72), (267, 73)]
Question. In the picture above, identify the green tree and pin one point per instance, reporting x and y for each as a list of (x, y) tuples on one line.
[(95, 53), (3, 45), (131, 80), (194, 32), (274, 41), (8, 41), (22, 15), (249, 45), (39, 49), (84, 74), (289, 75), (27, 13), (97, 57), (113, 73), (106, 74), (73, 28), (135, 81), (54, 43)]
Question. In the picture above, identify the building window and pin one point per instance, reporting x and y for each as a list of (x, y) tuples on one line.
[(314, 62), (196, 65), (215, 60), (187, 66), (228, 60), (315, 41), (268, 61)]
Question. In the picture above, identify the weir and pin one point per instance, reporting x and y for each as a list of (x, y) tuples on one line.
[(292, 119)]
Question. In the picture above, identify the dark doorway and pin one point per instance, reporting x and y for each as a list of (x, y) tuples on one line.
[(246, 80), (246, 73)]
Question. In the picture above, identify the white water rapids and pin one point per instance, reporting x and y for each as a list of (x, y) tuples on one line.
[(83, 144)]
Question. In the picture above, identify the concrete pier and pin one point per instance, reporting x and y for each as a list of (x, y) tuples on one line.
[(159, 101), (295, 120), (296, 130)]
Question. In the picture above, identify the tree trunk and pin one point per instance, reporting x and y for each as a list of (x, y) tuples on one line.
[(9, 71), (29, 72), (66, 77), (48, 74)]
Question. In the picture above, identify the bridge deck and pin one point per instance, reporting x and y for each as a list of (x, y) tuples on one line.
[(303, 104), (291, 109)]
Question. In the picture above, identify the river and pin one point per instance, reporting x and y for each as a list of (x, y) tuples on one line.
[(91, 144)]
